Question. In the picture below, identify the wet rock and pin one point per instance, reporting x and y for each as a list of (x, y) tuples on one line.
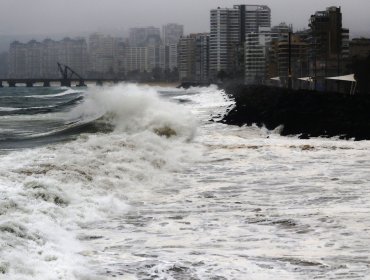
[(300, 262), (304, 136), (165, 131), (4, 268), (301, 112), (257, 210), (307, 148), (285, 223)]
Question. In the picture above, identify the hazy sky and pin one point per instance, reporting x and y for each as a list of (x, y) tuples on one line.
[(22, 17)]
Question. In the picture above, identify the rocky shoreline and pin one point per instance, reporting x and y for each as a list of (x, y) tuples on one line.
[(301, 112)]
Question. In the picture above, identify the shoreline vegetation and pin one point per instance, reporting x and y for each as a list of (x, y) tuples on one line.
[(300, 112)]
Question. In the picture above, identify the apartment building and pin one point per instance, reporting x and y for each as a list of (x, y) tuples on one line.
[(194, 57), (39, 59), (140, 36), (224, 40), (230, 28)]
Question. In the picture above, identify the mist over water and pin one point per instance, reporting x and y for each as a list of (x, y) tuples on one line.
[(135, 182)]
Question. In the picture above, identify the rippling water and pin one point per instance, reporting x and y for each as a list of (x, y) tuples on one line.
[(135, 182)]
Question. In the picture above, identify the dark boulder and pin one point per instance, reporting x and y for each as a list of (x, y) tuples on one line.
[(301, 112)]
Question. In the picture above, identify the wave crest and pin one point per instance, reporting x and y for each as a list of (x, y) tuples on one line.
[(132, 108)]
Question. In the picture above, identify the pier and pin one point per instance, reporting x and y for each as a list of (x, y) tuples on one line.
[(58, 82), (68, 78)]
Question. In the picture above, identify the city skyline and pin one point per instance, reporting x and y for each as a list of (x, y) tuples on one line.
[(242, 44), (50, 18)]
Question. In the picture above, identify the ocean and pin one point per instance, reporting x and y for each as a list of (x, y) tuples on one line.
[(138, 182)]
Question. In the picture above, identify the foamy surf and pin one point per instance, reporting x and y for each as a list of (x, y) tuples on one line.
[(197, 200), (50, 195)]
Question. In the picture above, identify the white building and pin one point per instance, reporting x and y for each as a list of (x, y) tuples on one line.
[(140, 36), (255, 53), (255, 17), (229, 31), (17, 60), (224, 39), (172, 56), (136, 59), (103, 53), (171, 33)]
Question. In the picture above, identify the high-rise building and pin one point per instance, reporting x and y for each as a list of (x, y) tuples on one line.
[(136, 59), (256, 57), (345, 44), (186, 58), (154, 56), (253, 17), (326, 28), (224, 40), (141, 36), (171, 62), (280, 50), (298, 59), (172, 33), (3, 64), (328, 42), (39, 59), (194, 57), (229, 30), (103, 52), (359, 47), (17, 60), (34, 59), (202, 57), (73, 52), (280, 32)]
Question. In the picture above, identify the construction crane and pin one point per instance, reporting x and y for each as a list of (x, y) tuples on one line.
[(68, 75)]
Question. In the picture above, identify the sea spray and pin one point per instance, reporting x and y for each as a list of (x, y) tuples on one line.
[(50, 195), (132, 108), (233, 203)]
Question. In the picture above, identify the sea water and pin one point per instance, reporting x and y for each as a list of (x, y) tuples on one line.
[(138, 182)]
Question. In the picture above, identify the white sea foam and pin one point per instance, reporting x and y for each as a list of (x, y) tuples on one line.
[(233, 203), (9, 109), (67, 91), (49, 195), (133, 108)]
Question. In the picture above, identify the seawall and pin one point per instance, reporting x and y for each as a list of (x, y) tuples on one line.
[(301, 112)]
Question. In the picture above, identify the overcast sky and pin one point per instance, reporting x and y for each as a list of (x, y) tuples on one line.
[(39, 17)]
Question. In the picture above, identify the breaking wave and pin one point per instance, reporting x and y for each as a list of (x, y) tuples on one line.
[(51, 195)]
